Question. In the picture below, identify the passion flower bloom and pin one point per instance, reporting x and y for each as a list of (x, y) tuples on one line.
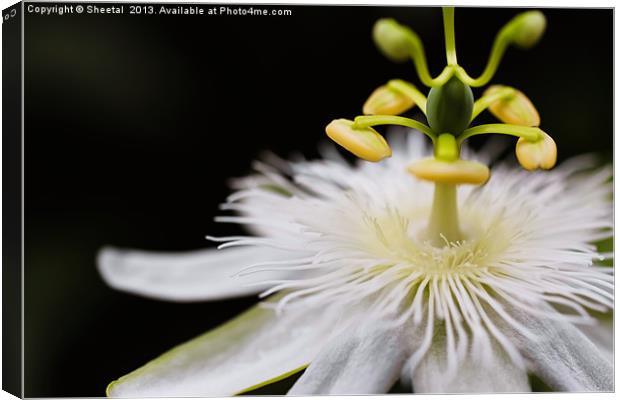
[(426, 267), (364, 299)]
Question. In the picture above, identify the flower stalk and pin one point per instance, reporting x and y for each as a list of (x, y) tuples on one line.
[(443, 226)]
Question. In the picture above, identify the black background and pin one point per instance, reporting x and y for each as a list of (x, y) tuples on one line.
[(134, 123)]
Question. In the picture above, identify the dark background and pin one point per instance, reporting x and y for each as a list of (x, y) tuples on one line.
[(134, 123)]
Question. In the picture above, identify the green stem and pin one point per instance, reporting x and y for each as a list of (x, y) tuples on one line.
[(485, 101), (502, 40), (528, 133), (444, 222), (410, 91), (419, 61), (372, 120), (444, 77), (448, 26)]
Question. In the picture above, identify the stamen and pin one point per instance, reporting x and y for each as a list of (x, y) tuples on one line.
[(364, 142), (363, 122), (388, 101), (410, 91), (537, 154), (511, 106)]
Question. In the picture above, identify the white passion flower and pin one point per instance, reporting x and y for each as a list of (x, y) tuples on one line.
[(359, 297)]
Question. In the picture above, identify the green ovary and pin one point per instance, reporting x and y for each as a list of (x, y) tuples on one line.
[(449, 107)]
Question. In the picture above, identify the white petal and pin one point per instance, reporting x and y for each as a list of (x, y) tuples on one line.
[(563, 357), (187, 276), (602, 335), (497, 375), (367, 360), (255, 347)]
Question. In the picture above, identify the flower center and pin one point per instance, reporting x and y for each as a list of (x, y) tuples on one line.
[(404, 241)]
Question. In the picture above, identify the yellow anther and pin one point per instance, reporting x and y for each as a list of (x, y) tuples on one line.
[(528, 28), (454, 172), (366, 143), (387, 101), (540, 154), (515, 109)]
